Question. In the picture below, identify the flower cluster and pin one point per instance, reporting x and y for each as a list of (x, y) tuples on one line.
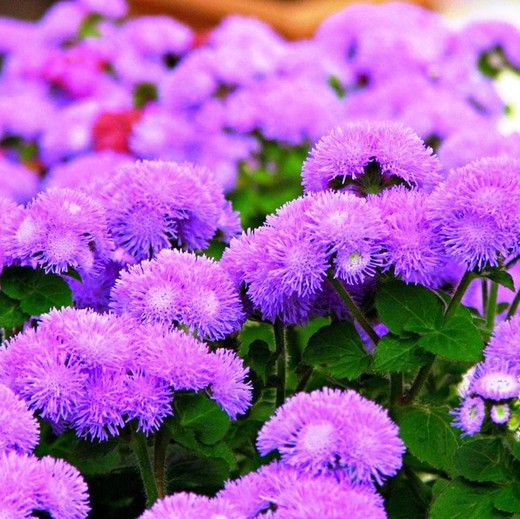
[(492, 388), (95, 373)]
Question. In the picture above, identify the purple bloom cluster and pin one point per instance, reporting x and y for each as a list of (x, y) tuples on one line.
[(334, 432), (492, 388), (95, 373)]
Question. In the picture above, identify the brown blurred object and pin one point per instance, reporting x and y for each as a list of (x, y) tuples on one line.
[(295, 19), (24, 9)]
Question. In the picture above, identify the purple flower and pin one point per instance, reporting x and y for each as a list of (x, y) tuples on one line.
[(17, 182), (191, 506), (154, 205), (505, 343), (179, 287), (11, 215), (411, 246), (19, 430), (64, 492), (329, 431), (62, 228), (495, 380), (367, 157), (470, 415), (475, 212), (500, 414), (228, 387)]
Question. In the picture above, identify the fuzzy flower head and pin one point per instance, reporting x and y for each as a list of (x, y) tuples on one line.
[(505, 343), (155, 205), (476, 213), (19, 429), (470, 415), (62, 229), (331, 431), (411, 247), (500, 414), (495, 380), (180, 288), (367, 157)]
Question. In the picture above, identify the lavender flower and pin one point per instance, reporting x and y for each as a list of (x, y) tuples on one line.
[(11, 215), (504, 344), (191, 506), (179, 287), (367, 157), (334, 431), (500, 414), (495, 380), (475, 212), (154, 205), (62, 229), (470, 415), (411, 246), (19, 430), (17, 182)]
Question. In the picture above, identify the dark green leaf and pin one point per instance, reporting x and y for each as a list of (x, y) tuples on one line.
[(337, 350), (37, 291), (196, 411), (461, 500), (258, 358), (508, 499), (11, 313), (396, 354), (457, 339), (408, 308), (501, 277), (482, 460), (144, 93), (403, 502), (429, 436)]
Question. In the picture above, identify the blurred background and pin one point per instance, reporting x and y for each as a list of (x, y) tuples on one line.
[(293, 18)]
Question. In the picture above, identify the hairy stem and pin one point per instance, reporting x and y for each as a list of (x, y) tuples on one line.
[(459, 294), (145, 467), (280, 354), (161, 442), (354, 310), (491, 310)]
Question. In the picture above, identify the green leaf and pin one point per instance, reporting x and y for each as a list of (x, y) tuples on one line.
[(258, 358), (196, 411), (457, 339), (396, 354), (337, 350), (500, 276), (461, 500), (482, 461), (11, 313), (144, 93), (408, 308), (429, 436), (508, 499), (37, 291)]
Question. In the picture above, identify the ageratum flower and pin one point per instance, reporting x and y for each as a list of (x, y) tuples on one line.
[(505, 343), (180, 288), (470, 415), (155, 205), (62, 228), (334, 431), (367, 157), (11, 215), (475, 212), (293, 493), (191, 506), (17, 182), (19, 430), (49, 485), (500, 414), (495, 380), (411, 246)]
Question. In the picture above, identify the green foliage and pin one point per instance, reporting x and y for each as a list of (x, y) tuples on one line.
[(36, 291), (395, 354), (337, 350)]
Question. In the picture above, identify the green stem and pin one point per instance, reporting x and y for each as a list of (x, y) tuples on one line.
[(145, 467), (303, 379), (396, 391), (418, 382), (514, 306), (492, 306), (421, 491), (280, 353), (485, 294), (512, 262), (459, 294), (354, 310), (160, 447)]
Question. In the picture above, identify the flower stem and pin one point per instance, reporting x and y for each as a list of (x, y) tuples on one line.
[(492, 306), (514, 306), (354, 310), (280, 353), (145, 467), (161, 442), (424, 372)]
